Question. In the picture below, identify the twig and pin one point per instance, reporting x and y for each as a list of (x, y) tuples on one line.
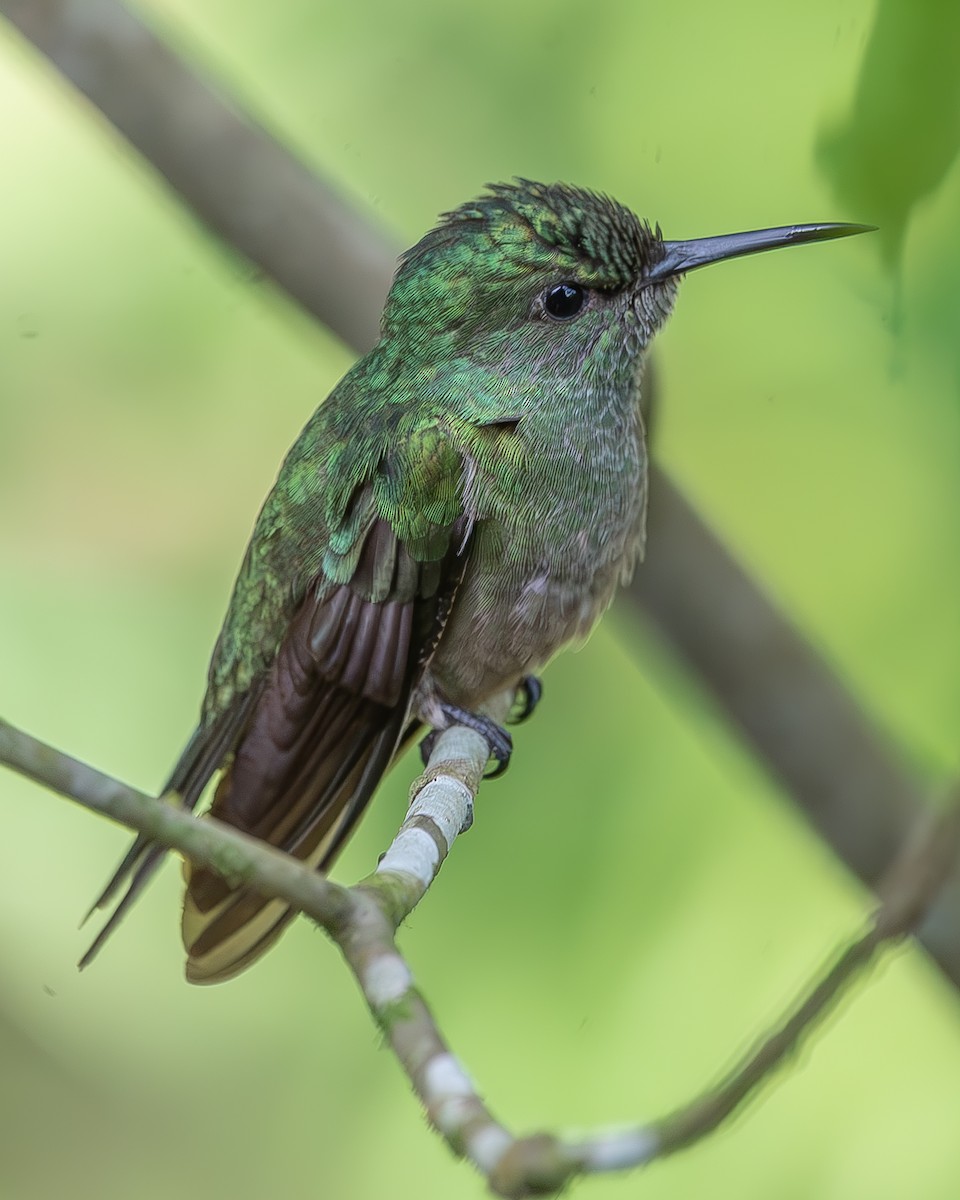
[(363, 921), (207, 843), (908, 890)]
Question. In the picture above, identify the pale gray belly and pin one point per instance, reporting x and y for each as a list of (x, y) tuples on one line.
[(548, 551), (508, 622)]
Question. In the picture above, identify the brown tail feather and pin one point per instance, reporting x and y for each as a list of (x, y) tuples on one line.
[(305, 747), (203, 754), (225, 931)]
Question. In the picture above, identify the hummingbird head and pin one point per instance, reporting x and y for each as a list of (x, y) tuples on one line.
[(530, 264), (535, 274)]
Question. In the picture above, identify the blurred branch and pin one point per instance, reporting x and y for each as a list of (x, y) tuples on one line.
[(785, 700), (771, 682), (253, 193), (907, 891), (363, 921), (239, 181)]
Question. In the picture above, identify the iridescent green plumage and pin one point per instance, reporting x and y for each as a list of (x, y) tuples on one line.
[(463, 505)]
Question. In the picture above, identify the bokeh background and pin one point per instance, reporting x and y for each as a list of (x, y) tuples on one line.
[(636, 901)]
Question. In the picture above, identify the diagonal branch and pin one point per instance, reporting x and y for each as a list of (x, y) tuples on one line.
[(363, 921), (785, 701), (782, 696), (241, 183)]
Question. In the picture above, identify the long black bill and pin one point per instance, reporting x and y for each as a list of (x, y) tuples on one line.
[(680, 257)]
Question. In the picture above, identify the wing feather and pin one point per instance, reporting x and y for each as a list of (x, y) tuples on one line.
[(204, 753), (327, 726), (308, 697)]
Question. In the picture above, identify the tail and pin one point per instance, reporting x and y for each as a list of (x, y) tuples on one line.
[(305, 748), (205, 752), (224, 929), (311, 816)]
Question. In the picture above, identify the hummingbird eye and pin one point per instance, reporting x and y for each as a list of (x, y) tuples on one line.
[(564, 300)]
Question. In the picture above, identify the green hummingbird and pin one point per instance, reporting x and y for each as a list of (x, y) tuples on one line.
[(464, 504)]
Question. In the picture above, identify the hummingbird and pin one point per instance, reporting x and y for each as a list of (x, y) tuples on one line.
[(464, 504)]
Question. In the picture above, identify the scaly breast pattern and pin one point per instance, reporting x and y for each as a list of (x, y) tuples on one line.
[(552, 542)]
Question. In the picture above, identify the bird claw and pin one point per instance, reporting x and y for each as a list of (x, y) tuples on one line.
[(497, 738), (528, 695)]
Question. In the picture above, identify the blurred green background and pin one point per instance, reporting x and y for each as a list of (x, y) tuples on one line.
[(636, 901)]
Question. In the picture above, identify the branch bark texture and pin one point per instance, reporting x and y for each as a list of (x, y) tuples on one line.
[(363, 920)]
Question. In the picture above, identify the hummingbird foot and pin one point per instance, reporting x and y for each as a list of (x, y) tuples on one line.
[(496, 737), (529, 693)]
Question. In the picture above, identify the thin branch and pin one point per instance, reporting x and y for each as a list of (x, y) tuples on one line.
[(363, 920), (207, 843)]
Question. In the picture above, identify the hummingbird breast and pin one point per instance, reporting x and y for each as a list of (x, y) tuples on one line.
[(557, 529)]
